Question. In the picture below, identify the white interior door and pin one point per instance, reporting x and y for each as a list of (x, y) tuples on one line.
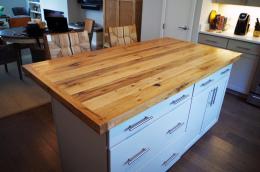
[(178, 18)]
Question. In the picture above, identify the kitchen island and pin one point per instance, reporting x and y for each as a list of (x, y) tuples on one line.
[(136, 107)]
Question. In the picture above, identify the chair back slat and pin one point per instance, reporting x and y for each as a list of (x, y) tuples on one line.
[(123, 35), (59, 45), (79, 42), (67, 44)]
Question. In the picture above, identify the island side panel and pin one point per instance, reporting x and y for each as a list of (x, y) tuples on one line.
[(81, 148)]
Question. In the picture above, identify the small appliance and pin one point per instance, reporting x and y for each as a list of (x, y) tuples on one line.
[(243, 24)]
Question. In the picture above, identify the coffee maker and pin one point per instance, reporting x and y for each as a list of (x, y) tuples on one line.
[(243, 24)]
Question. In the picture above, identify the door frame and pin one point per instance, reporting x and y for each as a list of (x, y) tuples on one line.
[(191, 21)]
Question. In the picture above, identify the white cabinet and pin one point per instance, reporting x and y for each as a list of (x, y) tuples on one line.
[(206, 105), (244, 69), (152, 140), (139, 149), (213, 104)]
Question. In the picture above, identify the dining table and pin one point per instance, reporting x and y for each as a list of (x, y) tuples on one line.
[(18, 35)]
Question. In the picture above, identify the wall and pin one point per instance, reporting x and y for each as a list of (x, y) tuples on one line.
[(9, 4), (207, 6), (233, 11), (93, 14), (230, 11), (151, 19), (196, 21), (70, 8), (58, 5)]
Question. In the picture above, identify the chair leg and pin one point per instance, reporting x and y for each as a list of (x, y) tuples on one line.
[(6, 68), (20, 55), (19, 65)]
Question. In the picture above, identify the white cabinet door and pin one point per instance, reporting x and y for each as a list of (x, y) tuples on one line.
[(196, 115), (205, 109), (214, 104), (178, 18)]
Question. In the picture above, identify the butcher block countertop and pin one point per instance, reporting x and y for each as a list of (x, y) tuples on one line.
[(105, 88)]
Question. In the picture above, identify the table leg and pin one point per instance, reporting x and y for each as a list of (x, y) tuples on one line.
[(6, 68)]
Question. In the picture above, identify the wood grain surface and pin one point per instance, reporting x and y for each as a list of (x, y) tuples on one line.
[(106, 87)]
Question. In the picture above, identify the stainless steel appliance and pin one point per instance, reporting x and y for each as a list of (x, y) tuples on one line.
[(254, 96)]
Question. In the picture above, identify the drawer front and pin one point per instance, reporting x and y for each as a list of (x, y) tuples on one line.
[(165, 159), (210, 80), (244, 47), (142, 120), (137, 150), (213, 40), (224, 72)]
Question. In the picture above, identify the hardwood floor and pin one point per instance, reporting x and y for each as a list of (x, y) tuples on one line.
[(28, 142), (16, 95)]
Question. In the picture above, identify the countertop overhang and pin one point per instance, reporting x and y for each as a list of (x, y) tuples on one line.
[(107, 87)]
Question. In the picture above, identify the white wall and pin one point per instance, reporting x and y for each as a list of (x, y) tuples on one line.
[(58, 5), (96, 15), (9, 4), (151, 19), (232, 12), (70, 8)]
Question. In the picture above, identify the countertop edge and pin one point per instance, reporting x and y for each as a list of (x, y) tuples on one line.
[(73, 107)]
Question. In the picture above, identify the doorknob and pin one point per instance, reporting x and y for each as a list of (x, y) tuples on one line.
[(183, 28)]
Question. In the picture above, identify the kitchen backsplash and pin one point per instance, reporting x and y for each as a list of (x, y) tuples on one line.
[(232, 12)]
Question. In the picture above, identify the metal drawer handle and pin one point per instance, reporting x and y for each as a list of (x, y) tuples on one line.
[(225, 71), (137, 156), (213, 97), (206, 83), (165, 163), (139, 123), (211, 41), (175, 128), (183, 97), (243, 48)]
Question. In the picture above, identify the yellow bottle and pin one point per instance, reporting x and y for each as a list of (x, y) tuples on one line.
[(257, 29)]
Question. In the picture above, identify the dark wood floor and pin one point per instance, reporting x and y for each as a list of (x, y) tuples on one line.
[(28, 142)]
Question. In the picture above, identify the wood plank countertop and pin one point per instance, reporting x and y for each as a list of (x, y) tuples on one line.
[(105, 88)]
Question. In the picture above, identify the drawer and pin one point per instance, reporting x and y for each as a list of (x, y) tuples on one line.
[(210, 80), (244, 47), (140, 121), (166, 158), (224, 72), (213, 40), (137, 150)]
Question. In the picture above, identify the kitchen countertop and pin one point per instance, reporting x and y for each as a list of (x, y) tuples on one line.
[(106, 87), (230, 34)]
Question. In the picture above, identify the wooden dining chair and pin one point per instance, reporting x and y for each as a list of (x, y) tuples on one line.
[(66, 44), (123, 35), (79, 42), (21, 21), (89, 26), (57, 45)]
